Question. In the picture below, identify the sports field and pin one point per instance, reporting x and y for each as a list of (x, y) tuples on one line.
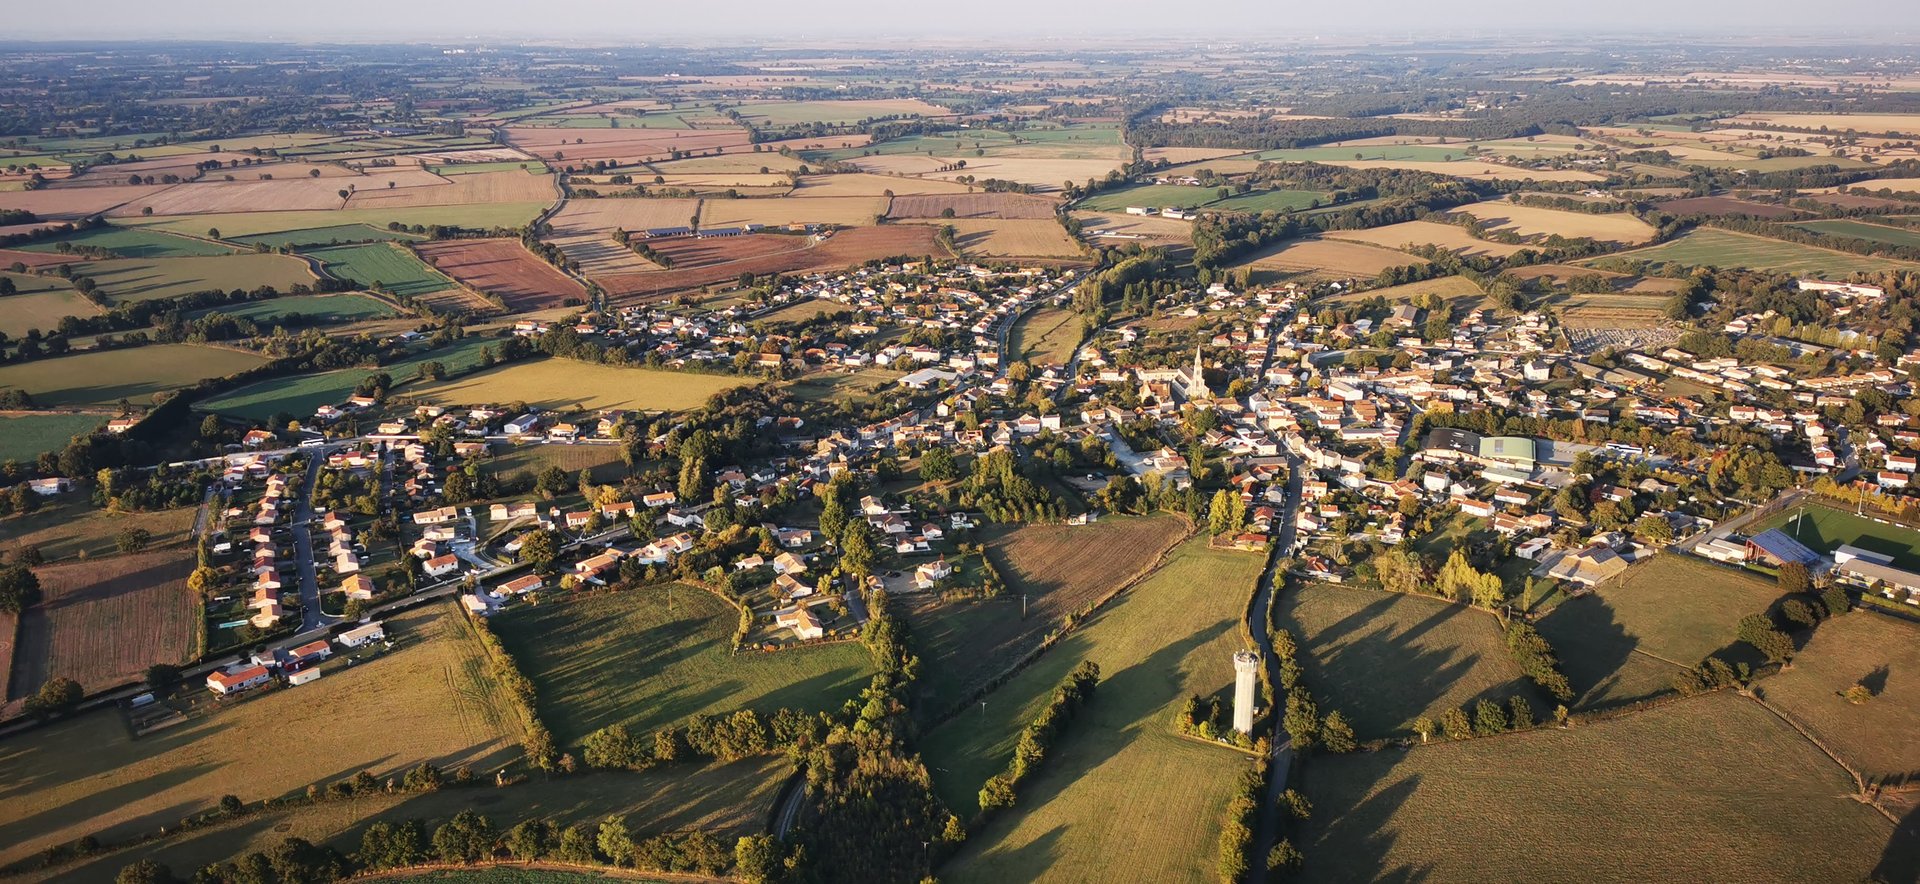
[(1047, 336), (1120, 789), (1385, 659), (127, 242), (134, 374), (566, 384), (1708, 789), (389, 266), (299, 395), (1894, 236), (314, 308), (1721, 248), (429, 699), (323, 236), (1626, 640), (1824, 528), (1271, 201), (146, 279), (652, 657), (24, 436)]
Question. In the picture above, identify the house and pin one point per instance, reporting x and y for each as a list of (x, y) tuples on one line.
[(1894, 583), (357, 586), (803, 622), (521, 585), (243, 678), (504, 512), (659, 499), (122, 424), (1588, 567), (440, 566), (788, 563), (49, 487), (522, 425), (436, 516), (302, 677), (592, 567), (930, 573), (311, 652), (362, 635)]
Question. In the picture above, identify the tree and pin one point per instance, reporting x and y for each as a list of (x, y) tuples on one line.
[(1654, 528), (1488, 718), (145, 871), (1425, 727), (19, 588), (539, 549), (615, 841), (1793, 578), (856, 549), (1302, 721), (530, 839), (466, 838), (132, 540), (1758, 630), (1522, 711), (1798, 613), (1858, 694), (56, 696), (1835, 600), (1220, 514), (212, 428), (1283, 859), (757, 859), (576, 845), (162, 678), (1336, 734), (938, 465), (1454, 722)]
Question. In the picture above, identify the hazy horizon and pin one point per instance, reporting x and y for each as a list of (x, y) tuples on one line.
[(605, 22)]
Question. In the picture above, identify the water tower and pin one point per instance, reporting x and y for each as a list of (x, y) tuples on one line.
[(1246, 673)]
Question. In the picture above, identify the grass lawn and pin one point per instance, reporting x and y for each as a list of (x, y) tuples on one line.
[(69, 526), (1120, 790), (1162, 196), (1060, 568), (392, 267), (1385, 659), (40, 302), (128, 242), (24, 436), (1709, 789), (625, 658), (1823, 529), (315, 308), (148, 279), (570, 385), (299, 395), (1707, 246), (428, 700), (1271, 201), (134, 374), (332, 235), (1878, 651), (1047, 335), (1617, 644)]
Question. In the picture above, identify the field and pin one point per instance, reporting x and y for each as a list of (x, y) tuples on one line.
[(1060, 568), (640, 659), (146, 279), (851, 385), (1328, 257), (1447, 236), (622, 146), (69, 527), (388, 266), (1472, 169), (1824, 528), (325, 236), (847, 210), (40, 302), (24, 436), (135, 374), (1528, 221), (1898, 124), (129, 242), (1037, 239), (505, 268), (428, 700), (793, 113), (1457, 290), (1882, 653), (1712, 788), (727, 800), (566, 384), (973, 205), (1047, 336), (244, 224), (1385, 659), (583, 229), (1723, 205), (525, 462), (1721, 248), (859, 184), (73, 203), (1120, 789), (844, 249), (217, 197), (1896, 236), (478, 189), (1622, 642), (1271, 201), (313, 308), (103, 622), (1160, 196), (1153, 229), (299, 395), (1046, 173)]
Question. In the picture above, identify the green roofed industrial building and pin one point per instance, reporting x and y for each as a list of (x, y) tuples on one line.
[(1513, 450)]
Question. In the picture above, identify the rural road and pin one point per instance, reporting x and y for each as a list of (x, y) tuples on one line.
[(1265, 598), (311, 617)]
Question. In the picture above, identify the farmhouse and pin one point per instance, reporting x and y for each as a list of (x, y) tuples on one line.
[(238, 680)]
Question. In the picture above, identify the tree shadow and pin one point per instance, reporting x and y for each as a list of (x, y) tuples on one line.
[(1900, 861), (1352, 844), (1876, 681)]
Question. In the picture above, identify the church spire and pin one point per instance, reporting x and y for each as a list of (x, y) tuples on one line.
[(1200, 390)]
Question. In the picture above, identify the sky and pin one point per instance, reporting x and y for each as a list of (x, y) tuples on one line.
[(660, 21)]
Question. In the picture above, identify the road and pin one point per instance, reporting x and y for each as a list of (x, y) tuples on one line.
[(311, 617), (1281, 759)]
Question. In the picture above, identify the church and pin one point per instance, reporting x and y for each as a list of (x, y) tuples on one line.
[(1191, 383)]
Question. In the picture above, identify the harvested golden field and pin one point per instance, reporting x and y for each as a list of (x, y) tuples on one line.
[(577, 386), (705, 181), (1621, 227), (1901, 124), (1009, 239), (72, 528), (899, 164), (598, 254), (61, 204), (430, 699), (1413, 233), (1045, 173), (102, 622), (845, 210), (199, 198), (512, 186), (1151, 228), (1459, 292), (729, 162), (974, 205), (601, 216), (873, 185), (1472, 169), (1329, 257), (624, 146)]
